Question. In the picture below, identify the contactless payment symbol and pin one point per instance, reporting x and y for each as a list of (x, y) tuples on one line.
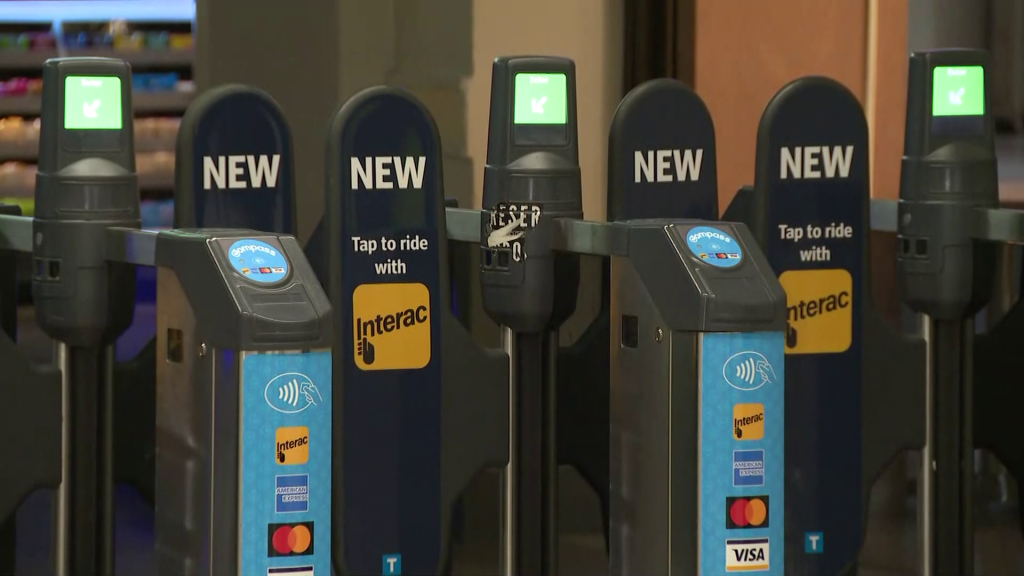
[(748, 370), (748, 468), (746, 555), (292, 445), (392, 326), (295, 539), (291, 393), (746, 512), (724, 251), (820, 306), (249, 255), (748, 421), (291, 493)]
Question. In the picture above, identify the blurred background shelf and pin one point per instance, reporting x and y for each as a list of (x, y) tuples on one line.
[(142, 102), (33, 59)]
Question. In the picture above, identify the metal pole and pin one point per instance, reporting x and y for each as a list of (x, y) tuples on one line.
[(953, 449), (926, 484), (508, 484), (84, 535), (529, 477), (62, 522), (549, 492), (105, 462)]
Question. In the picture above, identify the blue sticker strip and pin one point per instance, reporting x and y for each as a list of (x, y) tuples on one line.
[(742, 484), (286, 463)]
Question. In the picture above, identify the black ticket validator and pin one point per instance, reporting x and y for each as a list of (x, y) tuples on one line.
[(661, 164), (531, 178), (86, 183), (244, 406), (420, 409), (948, 175), (532, 175), (233, 169)]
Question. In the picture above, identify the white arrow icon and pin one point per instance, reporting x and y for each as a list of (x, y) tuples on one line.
[(537, 106), (955, 97), (89, 109)]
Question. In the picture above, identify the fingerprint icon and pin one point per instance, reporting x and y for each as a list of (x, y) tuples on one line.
[(746, 371), (289, 393)]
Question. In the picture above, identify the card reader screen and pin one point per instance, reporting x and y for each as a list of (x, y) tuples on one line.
[(540, 99), (958, 91), (92, 103)]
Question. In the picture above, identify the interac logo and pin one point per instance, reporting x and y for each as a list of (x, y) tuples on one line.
[(820, 311), (392, 326), (748, 421), (292, 445)]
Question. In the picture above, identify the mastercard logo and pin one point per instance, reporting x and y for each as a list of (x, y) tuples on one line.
[(294, 539), (746, 512)]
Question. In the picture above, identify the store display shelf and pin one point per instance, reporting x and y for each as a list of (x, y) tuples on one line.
[(25, 59), (156, 181), (143, 102), (19, 150), (28, 150), (148, 181), (33, 59)]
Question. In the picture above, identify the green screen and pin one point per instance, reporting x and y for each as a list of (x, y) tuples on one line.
[(958, 91), (92, 103), (540, 99)]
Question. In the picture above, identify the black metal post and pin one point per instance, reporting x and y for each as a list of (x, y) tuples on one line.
[(535, 470), (953, 450), (90, 508)]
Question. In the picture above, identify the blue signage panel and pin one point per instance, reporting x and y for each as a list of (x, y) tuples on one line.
[(661, 155), (742, 454), (234, 164), (286, 463), (387, 249), (812, 180)]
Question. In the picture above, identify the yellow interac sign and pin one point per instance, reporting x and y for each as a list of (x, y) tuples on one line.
[(392, 326), (820, 311)]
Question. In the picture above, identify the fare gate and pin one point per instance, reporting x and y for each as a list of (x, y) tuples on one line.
[(717, 336)]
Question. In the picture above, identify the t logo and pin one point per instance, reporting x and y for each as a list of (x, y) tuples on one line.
[(814, 543), (392, 564)]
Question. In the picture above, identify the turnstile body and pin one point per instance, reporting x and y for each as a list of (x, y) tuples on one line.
[(243, 407), (697, 435)]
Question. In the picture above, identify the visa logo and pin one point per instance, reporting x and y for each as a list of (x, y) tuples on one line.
[(746, 554), (657, 165), (808, 162), (231, 171), (383, 172)]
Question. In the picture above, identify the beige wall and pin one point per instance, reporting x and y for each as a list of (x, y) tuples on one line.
[(589, 32), (746, 51)]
